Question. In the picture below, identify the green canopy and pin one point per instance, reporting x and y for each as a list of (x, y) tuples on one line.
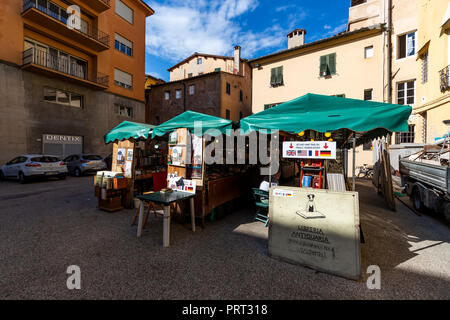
[(129, 130), (187, 120), (329, 113)]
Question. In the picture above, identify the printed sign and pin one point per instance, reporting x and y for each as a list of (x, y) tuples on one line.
[(181, 184), (309, 149), (282, 193), (316, 228), (121, 156), (130, 155)]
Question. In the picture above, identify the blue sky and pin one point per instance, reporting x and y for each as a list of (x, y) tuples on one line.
[(181, 27)]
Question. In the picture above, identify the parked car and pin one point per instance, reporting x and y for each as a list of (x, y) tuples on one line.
[(30, 166), (79, 164)]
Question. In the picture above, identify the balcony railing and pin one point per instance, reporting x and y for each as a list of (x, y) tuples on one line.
[(54, 11), (62, 64), (445, 78)]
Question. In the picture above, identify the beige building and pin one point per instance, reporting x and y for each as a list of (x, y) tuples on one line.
[(374, 59), (201, 63), (324, 67), (433, 84), (400, 35)]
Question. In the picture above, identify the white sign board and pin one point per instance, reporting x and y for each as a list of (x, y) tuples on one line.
[(309, 149), (316, 228), (180, 184)]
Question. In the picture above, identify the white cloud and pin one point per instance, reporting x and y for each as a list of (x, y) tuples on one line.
[(339, 28), (180, 28), (327, 27), (284, 8)]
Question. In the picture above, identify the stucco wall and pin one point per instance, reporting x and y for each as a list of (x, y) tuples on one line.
[(434, 104), (25, 116), (301, 74)]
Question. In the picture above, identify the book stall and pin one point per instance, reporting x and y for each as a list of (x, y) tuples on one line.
[(315, 221), (138, 164), (216, 184)]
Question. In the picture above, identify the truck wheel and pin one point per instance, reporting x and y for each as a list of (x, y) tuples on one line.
[(2, 176), (416, 200)]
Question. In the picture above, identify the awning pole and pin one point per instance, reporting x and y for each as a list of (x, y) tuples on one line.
[(354, 159)]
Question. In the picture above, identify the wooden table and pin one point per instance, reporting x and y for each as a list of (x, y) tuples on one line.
[(166, 199)]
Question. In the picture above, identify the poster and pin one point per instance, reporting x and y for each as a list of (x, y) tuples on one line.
[(309, 149), (120, 156), (177, 153), (130, 155), (308, 228), (128, 169)]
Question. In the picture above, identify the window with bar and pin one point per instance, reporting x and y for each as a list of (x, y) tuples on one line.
[(63, 97), (55, 59), (424, 58), (406, 137)]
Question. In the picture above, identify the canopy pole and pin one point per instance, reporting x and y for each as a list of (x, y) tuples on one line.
[(353, 162)]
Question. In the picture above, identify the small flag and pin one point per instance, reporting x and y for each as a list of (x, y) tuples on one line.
[(302, 153), (310, 153), (290, 153), (325, 153), (317, 153)]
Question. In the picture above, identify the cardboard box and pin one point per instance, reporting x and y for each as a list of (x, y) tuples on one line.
[(120, 183)]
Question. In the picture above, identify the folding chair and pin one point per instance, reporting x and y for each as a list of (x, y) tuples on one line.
[(262, 205)]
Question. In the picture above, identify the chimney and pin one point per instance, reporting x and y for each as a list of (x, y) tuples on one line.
[(296, 38), (237, 59)]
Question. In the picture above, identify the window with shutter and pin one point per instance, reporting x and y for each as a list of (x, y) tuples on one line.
[(124, 11), (323, 66), (273, 77), (328, 65), (276, 77), (332, 63), (123, 79)]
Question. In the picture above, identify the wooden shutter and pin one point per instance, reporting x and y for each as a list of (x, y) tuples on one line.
[(273, 77), (280, 75), (323, 65), (332, 63)]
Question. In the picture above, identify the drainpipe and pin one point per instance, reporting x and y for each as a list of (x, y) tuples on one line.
[(389, 57), (389, 53), (184, 97)]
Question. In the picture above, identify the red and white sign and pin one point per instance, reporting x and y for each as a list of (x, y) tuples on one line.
[(309, 149)]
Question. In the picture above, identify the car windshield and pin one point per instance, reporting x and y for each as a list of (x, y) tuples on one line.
[(45, 159), (92, 157)]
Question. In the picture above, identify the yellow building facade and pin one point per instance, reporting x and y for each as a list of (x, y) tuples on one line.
[(433, 70)]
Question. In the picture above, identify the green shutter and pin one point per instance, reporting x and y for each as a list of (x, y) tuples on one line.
[(280, 76), (273, 77), (332, 63), (323, 65)]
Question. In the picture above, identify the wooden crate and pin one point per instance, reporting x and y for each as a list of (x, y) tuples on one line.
[(110, 204)]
